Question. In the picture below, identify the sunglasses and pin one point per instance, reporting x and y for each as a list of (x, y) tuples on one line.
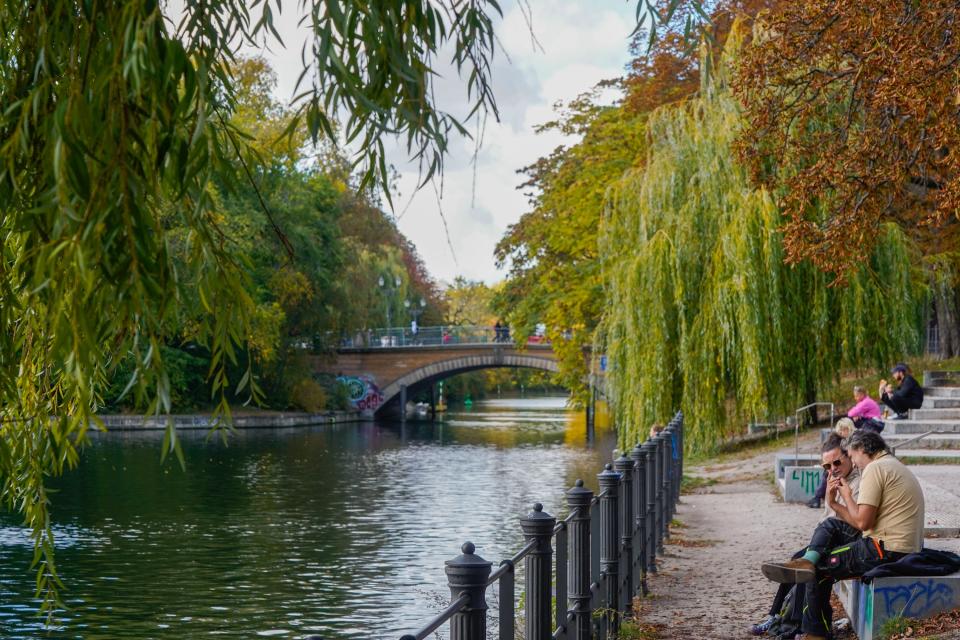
[(835, 463)]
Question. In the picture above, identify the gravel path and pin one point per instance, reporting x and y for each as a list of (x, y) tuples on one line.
[(709, 584), (717, 591)]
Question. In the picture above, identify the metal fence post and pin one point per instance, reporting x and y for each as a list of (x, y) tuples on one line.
[(669, 436), (538, 526), (666, 494), (467, 575), (578, 564), (639, 457), (674, 431), (680, 434), (609, 533), (624, 466), (650, 447)]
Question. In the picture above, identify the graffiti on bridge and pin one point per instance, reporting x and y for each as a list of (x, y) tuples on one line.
[(363, 392), (809, 479), (921, 598)]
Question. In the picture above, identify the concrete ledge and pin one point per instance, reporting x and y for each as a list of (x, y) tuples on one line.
[(941, 392), (799, 483), (948, 441), (783, 460), (940, 413), (916, 427), (202, 421), (940, 403), (870, 605)]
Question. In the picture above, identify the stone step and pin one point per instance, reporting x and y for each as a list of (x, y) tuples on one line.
[(944, 454), (915, 427), (935, 414), (940, 403), (947, 442), (944, 378), (941, 392)]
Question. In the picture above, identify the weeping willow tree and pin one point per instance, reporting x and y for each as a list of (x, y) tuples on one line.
[(702, 313)]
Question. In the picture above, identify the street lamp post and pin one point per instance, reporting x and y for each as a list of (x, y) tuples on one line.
[(387, 291), (414, 309)]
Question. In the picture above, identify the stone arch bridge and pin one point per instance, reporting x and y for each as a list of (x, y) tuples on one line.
[(381, 375)]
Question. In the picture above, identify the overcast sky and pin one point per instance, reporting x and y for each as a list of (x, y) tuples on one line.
[(581, 42)]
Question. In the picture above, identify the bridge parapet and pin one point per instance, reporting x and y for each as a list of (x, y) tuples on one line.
[(444, 335)]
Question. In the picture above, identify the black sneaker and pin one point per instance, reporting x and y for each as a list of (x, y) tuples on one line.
[(814, 503), (899, 416)]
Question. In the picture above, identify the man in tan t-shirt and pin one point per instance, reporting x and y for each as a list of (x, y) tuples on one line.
[(895, 493), (788, 612), (889, 512)]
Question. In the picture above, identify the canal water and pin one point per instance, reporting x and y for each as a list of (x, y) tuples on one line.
[(338, 531)]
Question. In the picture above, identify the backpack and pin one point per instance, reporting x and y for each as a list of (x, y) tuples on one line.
[(788, 621)]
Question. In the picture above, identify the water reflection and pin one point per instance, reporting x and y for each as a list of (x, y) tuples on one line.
[(335, 530)]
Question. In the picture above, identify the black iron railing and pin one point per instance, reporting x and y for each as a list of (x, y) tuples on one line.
[(605, 549)]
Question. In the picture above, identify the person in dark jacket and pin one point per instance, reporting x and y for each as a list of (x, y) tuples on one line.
[(909, 394)]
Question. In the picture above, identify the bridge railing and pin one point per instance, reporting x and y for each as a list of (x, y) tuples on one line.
[(427, 336), (605, 549)]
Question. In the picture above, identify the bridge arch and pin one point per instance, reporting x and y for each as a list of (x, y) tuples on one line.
[(436, 371)]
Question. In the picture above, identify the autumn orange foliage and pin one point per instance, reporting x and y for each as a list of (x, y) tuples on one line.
[(852, 117), (669, 70)]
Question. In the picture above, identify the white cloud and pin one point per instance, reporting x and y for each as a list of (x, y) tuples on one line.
[(582, 42)]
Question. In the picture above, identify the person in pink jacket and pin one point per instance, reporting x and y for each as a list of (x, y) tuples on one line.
[(865, 408)]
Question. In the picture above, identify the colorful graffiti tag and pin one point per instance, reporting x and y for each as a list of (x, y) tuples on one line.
[(363, 392), (919, 599), (809, 479)]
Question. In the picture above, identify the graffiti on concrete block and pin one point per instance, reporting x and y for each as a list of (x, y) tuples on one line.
[(363, 392), (809, 479), (917, 599)]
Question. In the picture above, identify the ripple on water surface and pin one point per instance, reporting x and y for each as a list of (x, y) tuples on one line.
[(341, 531)]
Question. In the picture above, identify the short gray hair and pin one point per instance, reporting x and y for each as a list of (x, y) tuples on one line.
[(859, 389)]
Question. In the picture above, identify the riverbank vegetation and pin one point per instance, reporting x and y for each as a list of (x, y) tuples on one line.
[(701, 299), (754, 250), (163, 247), (312, 246), (121, 154)]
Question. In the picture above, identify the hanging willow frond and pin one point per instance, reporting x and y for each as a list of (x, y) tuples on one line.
[(702, 313)]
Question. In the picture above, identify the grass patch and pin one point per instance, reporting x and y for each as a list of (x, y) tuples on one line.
[(677, 524), (942, 625), (736, 451), (690, 484), (636, 630), (894, 626), (688, 543)]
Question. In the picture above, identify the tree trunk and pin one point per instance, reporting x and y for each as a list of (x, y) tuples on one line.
[(945, 308)]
